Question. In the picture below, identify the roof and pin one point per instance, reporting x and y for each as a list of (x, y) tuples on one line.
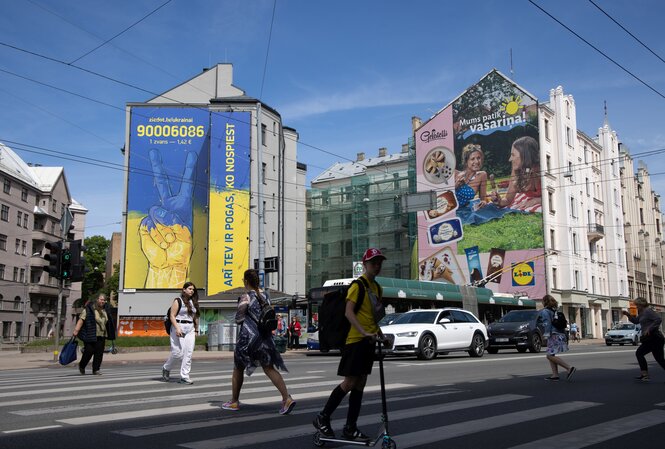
[(11, 163), (342, 170), (47, 176)]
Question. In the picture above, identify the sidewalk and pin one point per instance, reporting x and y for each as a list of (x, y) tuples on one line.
[(15, 360)]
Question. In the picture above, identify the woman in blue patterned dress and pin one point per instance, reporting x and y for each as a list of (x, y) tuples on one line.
[(254, 349), (556, 340), (472, 180)]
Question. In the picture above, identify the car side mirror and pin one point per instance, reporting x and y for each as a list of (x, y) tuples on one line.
[(444, 320)]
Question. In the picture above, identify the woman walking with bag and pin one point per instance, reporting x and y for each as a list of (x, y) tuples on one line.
[(255, 348), (94, 326), (184, 316), (652, 339), (556, 340)]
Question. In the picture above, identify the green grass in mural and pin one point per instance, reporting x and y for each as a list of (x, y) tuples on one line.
[(512, 232)]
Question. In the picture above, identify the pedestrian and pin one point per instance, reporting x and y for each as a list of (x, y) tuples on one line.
[(184, 316), (294, 333), (358, 352), (652, 339), (556, 340), (281, 326), (573, 332), (253, 348), (94, 326)]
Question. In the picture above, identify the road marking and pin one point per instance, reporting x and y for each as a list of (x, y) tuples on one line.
[(194, 408), (253, 438), (523, 357), (31, 429), (598, 433), (437, 434)]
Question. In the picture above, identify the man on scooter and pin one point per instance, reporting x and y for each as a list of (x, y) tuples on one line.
[(358, 352)]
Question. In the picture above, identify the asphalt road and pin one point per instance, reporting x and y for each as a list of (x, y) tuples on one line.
[(497, 401)]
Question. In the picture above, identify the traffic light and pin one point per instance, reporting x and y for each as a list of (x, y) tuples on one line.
[(66, 264), (54, 258), (78, 261)]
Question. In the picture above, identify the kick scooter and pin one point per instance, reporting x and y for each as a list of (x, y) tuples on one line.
[(384, 436)]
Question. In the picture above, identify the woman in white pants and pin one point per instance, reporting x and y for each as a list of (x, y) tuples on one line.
[(184, 327)]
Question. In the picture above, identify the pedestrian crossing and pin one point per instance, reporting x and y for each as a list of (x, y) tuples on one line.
[(134, 407)]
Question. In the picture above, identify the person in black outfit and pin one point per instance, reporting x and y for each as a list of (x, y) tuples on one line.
[(652, 338), (94, 326)]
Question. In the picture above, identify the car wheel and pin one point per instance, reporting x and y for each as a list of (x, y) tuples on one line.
[(492, 350), (620, 344), (427, 347), (536, 343), (521, 349), (477, 348)]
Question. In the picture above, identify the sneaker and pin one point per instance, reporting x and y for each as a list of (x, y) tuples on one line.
[(166, 375), (287, 406), (571, 372), (186, 380), (322, 424), (81, 370), (552, 379), (643, 378), (353, 433), (233, 406), (97, 373)]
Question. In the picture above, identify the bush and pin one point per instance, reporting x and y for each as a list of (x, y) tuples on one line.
[(123, 342)]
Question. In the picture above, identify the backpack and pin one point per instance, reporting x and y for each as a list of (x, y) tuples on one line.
[(559, 321), (267, 321), (167, 319), (333, 325)]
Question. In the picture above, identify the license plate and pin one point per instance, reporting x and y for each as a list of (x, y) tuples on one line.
[(501, 340)]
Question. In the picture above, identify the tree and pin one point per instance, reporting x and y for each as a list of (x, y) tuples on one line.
[(112, 283), (95, 263)]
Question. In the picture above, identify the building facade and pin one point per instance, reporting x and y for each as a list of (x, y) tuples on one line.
[(221, 190)]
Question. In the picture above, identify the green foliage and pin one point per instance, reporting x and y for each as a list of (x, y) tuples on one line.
[(125, 342), (512, 232), (111, 284), (95, 262)]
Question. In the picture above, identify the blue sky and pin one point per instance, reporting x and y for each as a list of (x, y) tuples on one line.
[(347, 75)]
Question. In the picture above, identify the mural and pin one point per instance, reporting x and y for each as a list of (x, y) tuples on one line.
[(481, 155)]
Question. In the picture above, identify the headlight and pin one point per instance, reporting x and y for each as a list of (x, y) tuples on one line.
[(524, 326), (407, 334)]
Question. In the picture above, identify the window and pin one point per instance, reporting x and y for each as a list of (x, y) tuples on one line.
[(588, 186), (24, 194), (575, 249), (264, 212), (15, 278), (2, 271), (586, 155), (274, 163), (567, 109), (325, 252), (396, 181), (273, 201), (18, 245), (24, 248), (7, 187), (573, 207), (324, 224), (348, 220), (576, 285), (54, 205), (641, 215), (550, 201), (3, 242), (263, 173), (21, 276), (25, 221), (569, 136), (273, 239), (19, 218), (548, 162), (546, 125), (552, 239), (4, 215), (263, 135)]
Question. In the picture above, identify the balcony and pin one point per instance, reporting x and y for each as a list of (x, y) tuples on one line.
[(595, 232)]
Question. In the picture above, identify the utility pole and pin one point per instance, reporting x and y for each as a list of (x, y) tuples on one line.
[(260, 179), (65, 223)]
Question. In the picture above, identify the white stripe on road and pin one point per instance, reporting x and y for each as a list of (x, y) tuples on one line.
[(193, 408), (253, 438), (437, 434), (30, 429), (598, 433)]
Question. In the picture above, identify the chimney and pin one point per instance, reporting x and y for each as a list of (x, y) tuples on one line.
[(405, 148), (416, 122), (383, 151), (361, 157)]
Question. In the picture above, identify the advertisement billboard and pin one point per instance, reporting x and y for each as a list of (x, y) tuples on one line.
[(228, 241), (167, 196), (481, 155)]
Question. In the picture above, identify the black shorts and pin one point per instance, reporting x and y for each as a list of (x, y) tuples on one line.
[(357, 359)]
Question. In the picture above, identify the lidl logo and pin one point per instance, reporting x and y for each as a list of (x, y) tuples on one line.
[(523, 274)]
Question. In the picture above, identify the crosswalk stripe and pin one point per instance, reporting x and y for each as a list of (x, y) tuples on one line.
[(598, 433), (437, 434), (188, 408), (159, 390), (237, 419), (248, 440)]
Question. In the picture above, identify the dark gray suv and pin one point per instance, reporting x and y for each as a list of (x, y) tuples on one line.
[(517, 329)]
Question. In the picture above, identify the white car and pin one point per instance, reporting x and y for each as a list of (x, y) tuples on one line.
[(428, 332)]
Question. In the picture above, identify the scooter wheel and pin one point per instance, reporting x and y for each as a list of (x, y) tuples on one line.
[(389, 444), (317, 440), (114, 351)]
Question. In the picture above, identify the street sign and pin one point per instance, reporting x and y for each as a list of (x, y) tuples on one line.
[(65, 222)]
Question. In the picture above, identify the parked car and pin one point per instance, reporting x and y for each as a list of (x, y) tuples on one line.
[(517, 329), (623, 333), (426, 333)]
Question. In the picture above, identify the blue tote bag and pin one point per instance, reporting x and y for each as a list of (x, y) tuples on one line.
[(68, 353)]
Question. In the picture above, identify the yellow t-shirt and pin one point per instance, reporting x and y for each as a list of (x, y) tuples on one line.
[(365, 315)]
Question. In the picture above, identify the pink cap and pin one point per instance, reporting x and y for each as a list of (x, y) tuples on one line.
[(371, 254)]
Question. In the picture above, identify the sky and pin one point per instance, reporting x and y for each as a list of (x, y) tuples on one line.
[(347, 75)]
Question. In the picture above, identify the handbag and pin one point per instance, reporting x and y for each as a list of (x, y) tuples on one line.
[(68, 352)]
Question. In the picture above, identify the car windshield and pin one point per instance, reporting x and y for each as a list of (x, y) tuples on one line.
[(623, 327), (388, 319), (416, 317), (516, 317)]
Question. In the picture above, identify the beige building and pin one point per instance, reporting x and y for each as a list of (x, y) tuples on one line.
[(33, 201)]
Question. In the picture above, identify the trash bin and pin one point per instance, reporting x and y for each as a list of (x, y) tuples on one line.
[(228, 336), (213, 337), (280, 343)]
